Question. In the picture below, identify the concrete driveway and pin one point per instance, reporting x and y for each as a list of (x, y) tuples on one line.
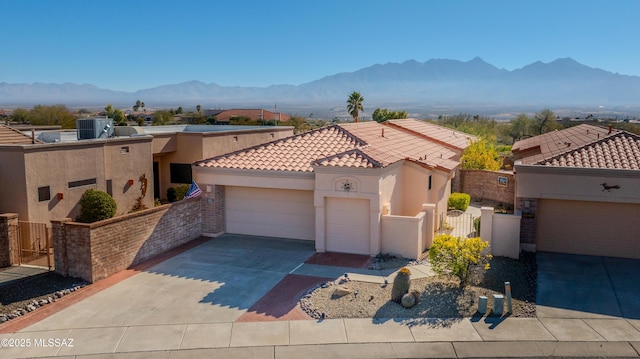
[(215, 282), (577, 286)]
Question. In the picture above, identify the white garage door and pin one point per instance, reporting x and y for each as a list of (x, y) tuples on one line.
[(270, 212), (591, 228), (347, 225)]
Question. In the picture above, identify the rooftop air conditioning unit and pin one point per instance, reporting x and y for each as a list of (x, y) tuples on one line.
[(90, 128)]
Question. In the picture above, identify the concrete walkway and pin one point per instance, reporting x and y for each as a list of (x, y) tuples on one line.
[(181, 316)]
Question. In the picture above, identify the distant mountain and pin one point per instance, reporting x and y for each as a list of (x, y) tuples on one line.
[(434, 82)]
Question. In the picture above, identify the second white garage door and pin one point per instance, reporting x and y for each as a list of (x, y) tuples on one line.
[(591, 228), (347, 225), (270, 212)]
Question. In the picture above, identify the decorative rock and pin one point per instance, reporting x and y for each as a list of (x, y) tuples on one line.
[(341, 291), (408, 300), (50, 299), (30, 308), (3, 319), (12, 316)]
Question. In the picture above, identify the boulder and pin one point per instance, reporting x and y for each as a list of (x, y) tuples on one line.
[(341, 291)]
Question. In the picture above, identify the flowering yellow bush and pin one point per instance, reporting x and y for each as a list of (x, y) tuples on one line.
[(456, 255)]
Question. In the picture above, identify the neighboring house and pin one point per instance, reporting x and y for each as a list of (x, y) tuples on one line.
[(44, 181), (341, 186), (223, 116), (579, 191)]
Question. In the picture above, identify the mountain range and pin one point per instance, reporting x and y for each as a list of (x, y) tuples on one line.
[(436, 82)]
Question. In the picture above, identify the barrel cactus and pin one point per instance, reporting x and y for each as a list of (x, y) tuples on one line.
[(400, 284)]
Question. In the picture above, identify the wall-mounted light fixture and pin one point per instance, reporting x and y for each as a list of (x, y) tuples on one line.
[(130, 182), (527, 204), (60, 196)]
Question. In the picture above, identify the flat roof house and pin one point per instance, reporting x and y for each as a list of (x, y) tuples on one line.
[(362, 188)]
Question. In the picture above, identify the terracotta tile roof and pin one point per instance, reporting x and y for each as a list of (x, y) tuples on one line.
[(363, 145), (445, 136), (12, 136), (539, 148), (620, 150)]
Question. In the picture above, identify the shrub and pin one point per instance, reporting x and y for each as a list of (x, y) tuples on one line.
[(95, 206), (171, 194), (459, 201), (401, 284), (455, 255), (476, 224), (181, 191)]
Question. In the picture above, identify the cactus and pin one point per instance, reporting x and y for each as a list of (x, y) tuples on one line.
[(400, 284)]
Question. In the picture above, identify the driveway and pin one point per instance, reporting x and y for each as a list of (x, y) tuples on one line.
[(577, 286), (215, 282)]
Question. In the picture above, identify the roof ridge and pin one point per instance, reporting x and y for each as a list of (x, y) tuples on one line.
[(280, 140), (359, 151), (613, 135), (360, 141)]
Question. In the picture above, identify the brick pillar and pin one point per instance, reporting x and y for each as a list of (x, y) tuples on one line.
[(213, 207), (60, 257), (9, 250)]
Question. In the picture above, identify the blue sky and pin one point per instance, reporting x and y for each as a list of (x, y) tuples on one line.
[(135, 44)]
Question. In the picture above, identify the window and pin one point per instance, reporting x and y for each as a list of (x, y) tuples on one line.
[(430, 182), (124, 150), (110, 187), (44, 193), (180, 172), (85, 182)]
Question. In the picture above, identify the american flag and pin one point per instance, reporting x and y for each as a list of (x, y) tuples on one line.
[(193, 191)]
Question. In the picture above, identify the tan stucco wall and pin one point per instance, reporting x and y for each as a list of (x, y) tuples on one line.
[(12, 181), (55, 165), (188, 147), (580, 184)]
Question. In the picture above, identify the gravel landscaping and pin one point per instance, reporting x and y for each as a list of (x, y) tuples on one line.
[(440, 296), (30, 294)]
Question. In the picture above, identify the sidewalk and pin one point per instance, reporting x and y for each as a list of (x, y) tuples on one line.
[(343, 338)]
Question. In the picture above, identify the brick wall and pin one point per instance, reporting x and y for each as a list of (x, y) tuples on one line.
[(213, 210), (8, 240), (483, 185), (97, 250)]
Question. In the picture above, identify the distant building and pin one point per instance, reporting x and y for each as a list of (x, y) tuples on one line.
[(223, 116)]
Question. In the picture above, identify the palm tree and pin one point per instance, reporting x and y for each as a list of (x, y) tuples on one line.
[(354, 104)]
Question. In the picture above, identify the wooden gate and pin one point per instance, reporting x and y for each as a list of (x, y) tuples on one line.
[(35, 242)]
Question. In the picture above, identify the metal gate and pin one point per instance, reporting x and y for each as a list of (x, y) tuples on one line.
[(458, 224), (35, 242)]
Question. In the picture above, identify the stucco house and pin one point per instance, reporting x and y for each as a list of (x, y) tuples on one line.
[(361, 188), (579, 191)]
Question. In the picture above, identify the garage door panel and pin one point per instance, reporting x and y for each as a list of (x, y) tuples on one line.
[(270, 212), (592, 228), (347, 225)]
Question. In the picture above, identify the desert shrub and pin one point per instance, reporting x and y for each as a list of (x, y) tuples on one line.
[(95, 206), (401, 284), (181, 191), (459, 201), (171, 194), (455, 255), (476, 224)]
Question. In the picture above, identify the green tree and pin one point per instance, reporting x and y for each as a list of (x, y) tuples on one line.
[(521, 127), (354, 105), (456, 256), (116, 114), (20, 115), (481, 155), (161, 117), (198, 108), (179, 110), (299, 124), (382, 114), (52, 115), (545, 121)]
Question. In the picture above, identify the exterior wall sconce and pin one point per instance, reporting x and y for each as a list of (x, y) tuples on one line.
[(60, 196), (527, 204), (130, 182)]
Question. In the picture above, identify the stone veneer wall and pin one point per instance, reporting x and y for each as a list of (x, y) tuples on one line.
[(97, 250), (483, 185), (9, 240), (213, 215), (528, 223)]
